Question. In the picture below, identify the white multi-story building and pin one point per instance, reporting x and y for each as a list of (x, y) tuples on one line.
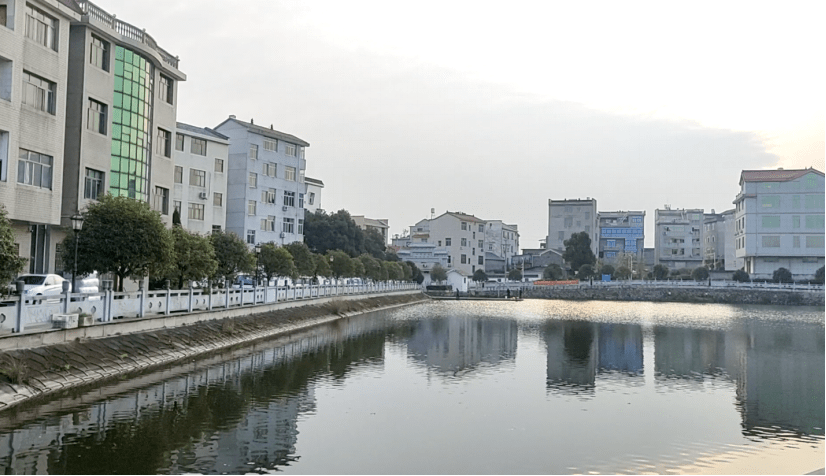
[(312, 199), (501, 245), (199, 193), (425, 256), (718, 239), (780, 221), (34, 75), (678, 237), (621, 233), (380, 225), (569, 216), (265, 185)]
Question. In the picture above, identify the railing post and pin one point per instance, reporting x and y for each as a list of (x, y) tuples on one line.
[(67, 296), (21, 293), (142, 291), (191, 292), (226, 293), (166, 285), (209, 299), (111, 290)]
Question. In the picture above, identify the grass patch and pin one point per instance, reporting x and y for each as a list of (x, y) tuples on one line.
[(13, 370)]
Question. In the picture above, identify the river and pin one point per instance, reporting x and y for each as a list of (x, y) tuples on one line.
[(458, 387)]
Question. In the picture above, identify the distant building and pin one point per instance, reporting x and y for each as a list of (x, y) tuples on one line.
[(380, 225), (532, 262), (678, 237), (312, 199), (265, 185), (621, 234), (425, 256), (501, 245), (569, 216), (718, 239), (779, 221), (200, 183)]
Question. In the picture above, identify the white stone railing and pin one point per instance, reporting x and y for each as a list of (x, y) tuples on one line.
[(33, 314)]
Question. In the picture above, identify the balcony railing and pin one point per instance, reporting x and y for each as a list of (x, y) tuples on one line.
[(129, 31)]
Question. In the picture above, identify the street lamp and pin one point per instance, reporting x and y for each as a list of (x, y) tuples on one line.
[(257, 256), (77, 225)]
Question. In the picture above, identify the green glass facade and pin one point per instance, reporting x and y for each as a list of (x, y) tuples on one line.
[(131, 134)]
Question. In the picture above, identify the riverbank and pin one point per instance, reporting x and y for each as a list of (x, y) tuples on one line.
[(31, 373), (699, 295)]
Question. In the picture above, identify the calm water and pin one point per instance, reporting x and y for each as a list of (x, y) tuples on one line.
[(461, 387)]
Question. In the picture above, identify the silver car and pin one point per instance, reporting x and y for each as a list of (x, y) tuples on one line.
[(40, 284)]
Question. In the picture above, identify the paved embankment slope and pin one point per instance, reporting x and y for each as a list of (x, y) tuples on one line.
[(29, 373)]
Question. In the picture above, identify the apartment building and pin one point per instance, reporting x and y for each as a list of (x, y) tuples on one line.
[(199, 192), (779, 221), (425, 256), (379, 225), (718, 241), (678, 237), (265, 183), (462, 235), (569, 216), (621, 237), (501, 245), (34, 72), (312, 202)]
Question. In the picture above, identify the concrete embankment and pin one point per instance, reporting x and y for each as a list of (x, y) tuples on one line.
[(714, 295), (30, 373)]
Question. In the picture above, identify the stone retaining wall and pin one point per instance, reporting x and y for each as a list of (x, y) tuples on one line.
[(26, 374)]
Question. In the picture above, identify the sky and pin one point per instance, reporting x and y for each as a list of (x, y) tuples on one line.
[(492, 109)]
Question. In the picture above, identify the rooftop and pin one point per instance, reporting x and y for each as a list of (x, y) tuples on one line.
[(314, 181), (204, 131), (779, 175), (267, 132)]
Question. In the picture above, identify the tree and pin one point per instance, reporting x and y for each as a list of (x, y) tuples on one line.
[(407, 272), (302, 258), (373, 244), (515, 274), (660, 272), (607, 269), (276, 262), (700, 273), (553, 272), (10, 263), (193, 259), (322, 266), (480, 276), (122, 236), (358, 268), (415, 273), (585, 272), (819, 275), (782, 275), (623, 272), (438, 273), (340, 264), (323, 232), (232, 254), (578, 250), (740, 276), (372, 267), (394, 270)]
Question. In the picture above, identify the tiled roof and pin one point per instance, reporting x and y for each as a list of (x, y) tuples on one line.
[(463, 216), (313, 181), (201, 130), (778, 175), (268, 132)]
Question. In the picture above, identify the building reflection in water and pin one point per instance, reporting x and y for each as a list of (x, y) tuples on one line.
[(455, 345)]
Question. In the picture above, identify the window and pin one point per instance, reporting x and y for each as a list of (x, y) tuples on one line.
[(447, 241), (463, 259), (311, 198), (289, 198), (300, 200), (41, 28), (166, 88), (481, 244), (464, 242), (94, 184), (216, 229), (253, 180), (569, 222), (179, 174), (796, 202), (814, 221), (814, 242), (4, 12), (164, 146), (810, 181), (268, 223), (795, 242), (289, 173), (290, 150), (464, 225), (300, 226), (251, 237), (96, 116), (771, 241), (179, 142), (587, 228), (4, 154), (160, 201), (610, 243), (770, 202), (269, 169), (771, 222), (795, 221), (197, 177), (288, 225), (39, 93), (219, 165), (268, 196), (814, 202), (301, 176), (198, 146), (253, 151), (481, 259), (271, 145), (218, 199), (251, 207), (99, 53), (481, 228), (177, 205), (195, 211), (34, 169)]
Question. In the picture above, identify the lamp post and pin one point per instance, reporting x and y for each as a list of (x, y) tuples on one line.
[(257, 257), (77, 225)]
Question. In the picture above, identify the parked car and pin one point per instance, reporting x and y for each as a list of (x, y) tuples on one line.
[(40, 284)]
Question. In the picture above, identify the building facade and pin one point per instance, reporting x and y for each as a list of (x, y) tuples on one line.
[(779, 222), (265, 183), (199, 192), (312, 201), (379, 225), (718, 241), (501, 245), (678, 237), (425, 256), (569, 216), (621, 237), (34, 74), (462, 235)]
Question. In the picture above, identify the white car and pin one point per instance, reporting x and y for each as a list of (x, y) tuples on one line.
[(40, 284)]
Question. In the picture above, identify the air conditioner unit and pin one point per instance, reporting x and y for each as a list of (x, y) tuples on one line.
[(202, 195), (283, 234), (284, 208)]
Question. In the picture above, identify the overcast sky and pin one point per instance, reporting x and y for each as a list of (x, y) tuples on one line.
[(494, 108)]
